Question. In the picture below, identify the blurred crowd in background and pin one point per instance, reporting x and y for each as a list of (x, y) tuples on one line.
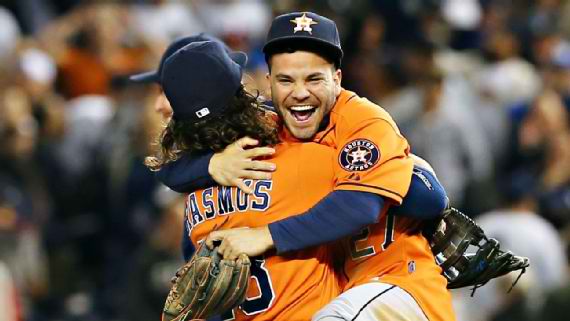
[(481, 89)]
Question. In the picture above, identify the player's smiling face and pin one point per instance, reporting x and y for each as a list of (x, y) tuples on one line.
[(304, 87)]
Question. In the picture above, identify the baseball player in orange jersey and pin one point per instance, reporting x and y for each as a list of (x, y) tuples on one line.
[(390, 270), (389, 258), (303, 281), (288, 287)]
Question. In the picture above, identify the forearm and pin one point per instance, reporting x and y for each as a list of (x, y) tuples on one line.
[(187, 174), (334, 217), (228, 168)]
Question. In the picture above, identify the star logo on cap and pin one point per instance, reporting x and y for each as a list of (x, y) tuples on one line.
[(303, 23)]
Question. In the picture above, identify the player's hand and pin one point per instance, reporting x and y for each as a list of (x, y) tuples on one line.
[(250, 241), (235, 163)]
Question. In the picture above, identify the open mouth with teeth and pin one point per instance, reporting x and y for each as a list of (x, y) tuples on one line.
[(302, 113)]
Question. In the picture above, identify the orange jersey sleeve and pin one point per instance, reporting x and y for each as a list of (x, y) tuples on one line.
[(372, 155), (293, 286)]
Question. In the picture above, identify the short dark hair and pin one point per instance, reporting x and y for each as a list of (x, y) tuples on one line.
[(294, 45), (243, 117)]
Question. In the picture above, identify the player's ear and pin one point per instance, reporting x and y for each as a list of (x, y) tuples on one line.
[(337, 78), (268, 91)]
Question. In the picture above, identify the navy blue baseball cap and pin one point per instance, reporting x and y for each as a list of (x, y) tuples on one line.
[(201, 79), (154, 76), (304, 27)]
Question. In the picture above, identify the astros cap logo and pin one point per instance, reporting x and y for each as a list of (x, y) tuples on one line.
[(303, 23)]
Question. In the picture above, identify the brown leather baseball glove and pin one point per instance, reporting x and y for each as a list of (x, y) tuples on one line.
[(207, 286)]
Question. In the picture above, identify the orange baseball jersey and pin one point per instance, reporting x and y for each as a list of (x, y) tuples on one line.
[(293, 286), (372, 156)]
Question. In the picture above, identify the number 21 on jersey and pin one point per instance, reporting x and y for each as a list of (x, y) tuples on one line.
[(357, 251)]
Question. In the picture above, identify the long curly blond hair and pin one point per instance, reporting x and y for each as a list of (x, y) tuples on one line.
[(243, 117)]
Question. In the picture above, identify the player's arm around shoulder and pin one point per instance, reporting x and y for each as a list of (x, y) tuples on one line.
[(229, 167)]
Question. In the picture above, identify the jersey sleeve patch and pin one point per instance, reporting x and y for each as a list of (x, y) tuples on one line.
[(359, 155)]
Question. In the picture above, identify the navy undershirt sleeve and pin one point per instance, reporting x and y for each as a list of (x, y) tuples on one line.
[(187, 174), (339, 214), (188, 248), (426, 199)]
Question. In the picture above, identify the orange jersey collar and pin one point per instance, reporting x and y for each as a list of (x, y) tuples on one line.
[(342, 99)]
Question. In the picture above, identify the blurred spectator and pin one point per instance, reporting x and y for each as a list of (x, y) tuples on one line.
[(557, 303), (23, 199), (81, 68), (156, 261), (446, 134), (366, 56), (161, 21), (92, 44), (226, 17), (540, 143), (506, 80), (36, 75), (133, 209), (528, 234)]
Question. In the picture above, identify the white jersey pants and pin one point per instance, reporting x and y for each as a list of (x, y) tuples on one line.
[(372, 301)]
